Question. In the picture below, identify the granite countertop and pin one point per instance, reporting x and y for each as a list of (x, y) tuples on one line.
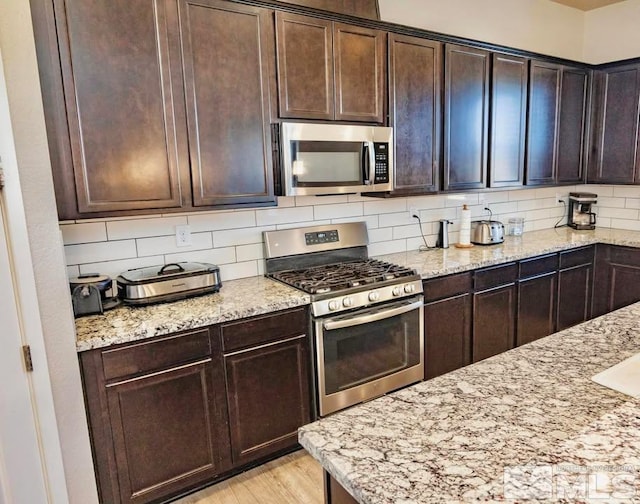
[(438, 262), (451, 438), (258, 295), (237, 299)]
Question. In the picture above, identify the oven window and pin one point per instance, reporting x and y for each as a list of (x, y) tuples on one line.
[(327, 163), (362, 353)]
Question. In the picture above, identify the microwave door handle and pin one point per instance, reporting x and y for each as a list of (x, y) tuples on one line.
[(369, 160), (372, 317)]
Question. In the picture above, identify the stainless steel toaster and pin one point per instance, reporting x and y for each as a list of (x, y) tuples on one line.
[(487, 232)]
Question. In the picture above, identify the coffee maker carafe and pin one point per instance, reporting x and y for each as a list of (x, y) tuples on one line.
[(581, 215)]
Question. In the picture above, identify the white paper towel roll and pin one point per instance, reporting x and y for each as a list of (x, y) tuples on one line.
[(465, 226)]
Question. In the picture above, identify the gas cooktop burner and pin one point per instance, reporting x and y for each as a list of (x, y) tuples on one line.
[(342, 276)]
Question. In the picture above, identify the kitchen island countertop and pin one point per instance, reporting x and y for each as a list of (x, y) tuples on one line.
[(450, 439)]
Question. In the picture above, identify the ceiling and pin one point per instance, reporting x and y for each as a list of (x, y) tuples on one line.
[(586, 5)]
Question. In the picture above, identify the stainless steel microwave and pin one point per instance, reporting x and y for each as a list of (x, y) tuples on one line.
[(335, 158)]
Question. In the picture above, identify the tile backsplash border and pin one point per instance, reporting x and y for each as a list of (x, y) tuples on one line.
[(232, 239)]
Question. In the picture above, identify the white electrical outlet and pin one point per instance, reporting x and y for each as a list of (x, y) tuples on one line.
[(183, 236), (414, 211), (482, 199), (559, 199)]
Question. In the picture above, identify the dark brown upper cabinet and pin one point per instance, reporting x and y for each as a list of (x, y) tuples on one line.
[(329, 70), (614, 149), (125, 140), (227, 55), (508, 120), (122, 140), (359, 8), (415, 75), (466, 117), (557, 115)]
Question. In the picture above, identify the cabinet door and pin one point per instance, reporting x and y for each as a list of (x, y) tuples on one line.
[(168, 434), (544, 100), (536, 308), (228, 51), (571, 127), (574, 296), (447, 338), (120, 65), (614, 153), (305, 67), (268, 397), (616, 278), (493, 321), (466, 115), (508, 120), (415, 74), (359, 58)]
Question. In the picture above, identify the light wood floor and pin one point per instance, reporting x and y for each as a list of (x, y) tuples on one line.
[(295, 478)]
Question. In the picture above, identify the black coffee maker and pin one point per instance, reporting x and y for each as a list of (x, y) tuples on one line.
[(581, 215)]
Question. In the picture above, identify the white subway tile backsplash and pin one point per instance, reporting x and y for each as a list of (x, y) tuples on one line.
[(167, 244), (338, 211), (242, 236), (239, 270), (214, 256), (98, 252), (274, 216), (222, 220), (141, 228), (383, 206), (84, 233), (114, 268), (251, 252), (321, 200), (233, 238), (388, 247)]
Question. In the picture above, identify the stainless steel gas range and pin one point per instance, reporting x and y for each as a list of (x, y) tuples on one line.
[(367, 315)]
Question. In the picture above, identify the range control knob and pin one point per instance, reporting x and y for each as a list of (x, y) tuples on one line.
[(333, 305), (397, 291), (374, 296), (409, 288), (347, 302)]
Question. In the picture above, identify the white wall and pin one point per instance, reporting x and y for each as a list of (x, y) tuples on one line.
[(602, 35), (612, 33), (42, 283), (534, 25)]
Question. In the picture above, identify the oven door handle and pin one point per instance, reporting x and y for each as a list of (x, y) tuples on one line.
[(373, 317)]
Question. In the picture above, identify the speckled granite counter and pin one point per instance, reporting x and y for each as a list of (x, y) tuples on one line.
[(257, 295), (437, 262), (449, 439), (237, 299)]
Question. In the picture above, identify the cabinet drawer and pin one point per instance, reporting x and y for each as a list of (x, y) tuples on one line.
[(260, 330), (488, 278), (448, 286), (157, 354), (573, 258), (538, 265), (624, 255)]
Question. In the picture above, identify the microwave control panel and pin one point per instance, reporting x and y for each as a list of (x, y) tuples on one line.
[(381, 150)]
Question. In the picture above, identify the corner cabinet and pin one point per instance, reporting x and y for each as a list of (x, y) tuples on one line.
[(466, 117), (329, 70), (122, 139), (557, 124), (173, 413), (415, 110)]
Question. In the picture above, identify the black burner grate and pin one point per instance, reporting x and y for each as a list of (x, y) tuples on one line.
[(342, 276)]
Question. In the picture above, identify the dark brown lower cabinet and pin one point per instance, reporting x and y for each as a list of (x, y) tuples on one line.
[(536, 308), (493, 321), (574, 287), (268, 392), (334, 492), (170, 414), (616, 278)]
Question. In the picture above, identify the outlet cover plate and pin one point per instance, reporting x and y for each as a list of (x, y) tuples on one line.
[(183, 236)]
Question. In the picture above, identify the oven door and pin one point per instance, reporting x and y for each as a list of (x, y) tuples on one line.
[(364, 354)]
